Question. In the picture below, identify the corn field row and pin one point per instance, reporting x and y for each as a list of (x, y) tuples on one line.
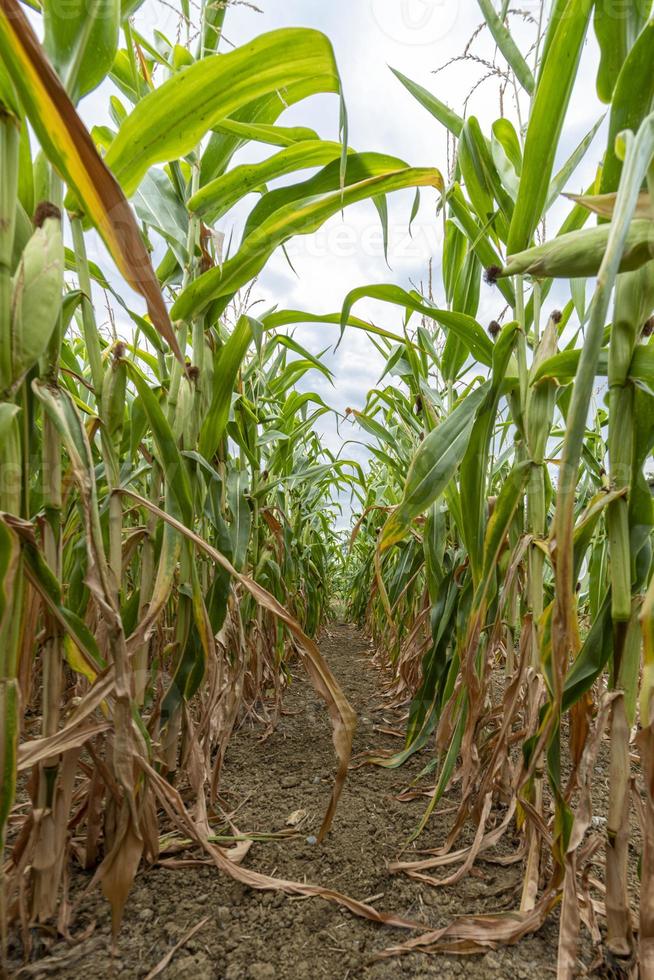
[(168, 507)]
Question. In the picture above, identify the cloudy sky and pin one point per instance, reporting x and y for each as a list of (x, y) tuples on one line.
[(418, 37)]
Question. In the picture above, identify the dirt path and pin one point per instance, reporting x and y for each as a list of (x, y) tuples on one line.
[(267, 936)]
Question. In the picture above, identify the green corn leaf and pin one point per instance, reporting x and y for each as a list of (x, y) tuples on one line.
[(157, 204), (505, 134), (450, 119), (632, 101), (302, 218), (172, 464), (587, 524), (262, 133), (81, 40), (219, 195), (505, 165), (507, 46), (255, 121), (359, 167), (283, 318), (478, 238), (474, 465), (281, 340), (548, 111), (481, 179), (292, 373), (237, 493), (227, 365), (449, 762), (498, 525), (434, 465), (616, 31), (47, 585), (464, 327), (560, 179), (465, 300), (562, 367), (591, 659), (454, 255), (171, 120)]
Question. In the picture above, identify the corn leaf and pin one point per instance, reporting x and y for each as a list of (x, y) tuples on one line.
[(548, 111), (615, 36), (171, 120), (227, 365), (448, 117), (471, 334), (433, 466), (507, 46), (302, 218), (81, 40), (219, 195), (632, 100)]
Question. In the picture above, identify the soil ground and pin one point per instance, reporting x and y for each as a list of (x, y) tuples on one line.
[(268, 936)]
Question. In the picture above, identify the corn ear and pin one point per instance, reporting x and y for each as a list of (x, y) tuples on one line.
[(113, 393), (580, 253), (186, 416), (36, 295)]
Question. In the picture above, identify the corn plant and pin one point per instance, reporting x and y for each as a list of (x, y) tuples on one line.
[(534, 515), (167, 507), (166, 503)]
